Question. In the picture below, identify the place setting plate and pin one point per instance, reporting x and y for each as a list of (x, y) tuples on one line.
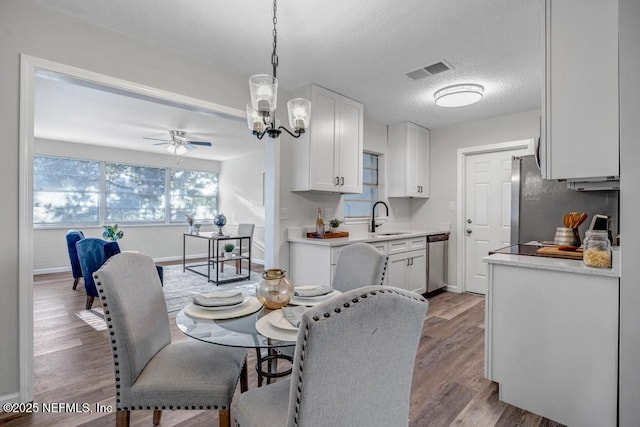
[(311, 300), (249, 305), (273, 326)]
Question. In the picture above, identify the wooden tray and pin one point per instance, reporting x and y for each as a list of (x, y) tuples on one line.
[(332, 235), (554, 252)]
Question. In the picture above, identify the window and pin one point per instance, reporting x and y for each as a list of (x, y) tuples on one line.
[(134, 193), (68, 191), (193, 193), (65, 191), (359, 205)]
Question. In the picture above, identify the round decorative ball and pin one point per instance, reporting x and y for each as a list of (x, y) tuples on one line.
[(220, 220)]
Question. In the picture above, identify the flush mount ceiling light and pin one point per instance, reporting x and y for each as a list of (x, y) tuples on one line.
[(459, 95), (261, 111)]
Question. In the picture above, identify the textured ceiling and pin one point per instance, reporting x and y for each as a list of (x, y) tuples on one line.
[(361, 48)]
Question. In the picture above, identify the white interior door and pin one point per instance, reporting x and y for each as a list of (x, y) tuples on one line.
[(487, 211)]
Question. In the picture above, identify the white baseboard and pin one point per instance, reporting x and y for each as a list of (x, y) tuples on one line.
[(10, 398), (453, 288)]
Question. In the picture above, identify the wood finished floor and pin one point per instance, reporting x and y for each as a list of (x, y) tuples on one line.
[(73, 363)]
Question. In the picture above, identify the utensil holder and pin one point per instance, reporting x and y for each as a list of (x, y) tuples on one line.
[(567, 236)]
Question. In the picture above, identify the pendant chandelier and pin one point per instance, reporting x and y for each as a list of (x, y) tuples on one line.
[(261, 111)]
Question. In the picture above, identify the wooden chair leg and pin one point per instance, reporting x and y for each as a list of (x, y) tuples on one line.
[(122, 418), (75, 282), (244, 378), (225, 418), (89, 303), (157, 413)]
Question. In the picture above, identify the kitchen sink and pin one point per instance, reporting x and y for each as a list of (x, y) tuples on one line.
[(392, 233)]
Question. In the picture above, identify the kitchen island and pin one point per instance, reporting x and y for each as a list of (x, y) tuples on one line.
[(551, 336), (313, 261)]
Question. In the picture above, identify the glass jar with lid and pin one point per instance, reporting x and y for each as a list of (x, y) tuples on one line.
[(597, 249)]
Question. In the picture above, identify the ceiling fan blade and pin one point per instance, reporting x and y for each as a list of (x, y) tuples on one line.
[(188, 146), (156, 139), (201, 143), (161, 143)]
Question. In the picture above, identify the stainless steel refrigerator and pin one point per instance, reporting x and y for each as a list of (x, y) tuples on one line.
[(537, 205)]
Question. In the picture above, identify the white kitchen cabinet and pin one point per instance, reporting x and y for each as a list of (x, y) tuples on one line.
[(551, 342), (406, 268), (408, 271), (408, 161), (579, 126), (328, 157)]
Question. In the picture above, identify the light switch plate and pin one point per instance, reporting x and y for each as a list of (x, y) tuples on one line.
[(284, 213), (328, 213), (452, 206)]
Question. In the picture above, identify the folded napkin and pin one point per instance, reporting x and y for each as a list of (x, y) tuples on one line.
[(293, 314), (314, 291), (218, 299)]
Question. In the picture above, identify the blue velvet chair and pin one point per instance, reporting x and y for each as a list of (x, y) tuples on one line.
[(73, 237), (92, 253)]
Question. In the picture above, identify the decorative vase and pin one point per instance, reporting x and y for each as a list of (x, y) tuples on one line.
[(228, 255), (275, 290), (220, 221)]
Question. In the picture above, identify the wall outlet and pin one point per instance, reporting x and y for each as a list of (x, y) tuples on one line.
[(284, 213), (452, 206), (328, 213)]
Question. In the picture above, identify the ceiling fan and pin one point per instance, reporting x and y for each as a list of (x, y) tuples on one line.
[(178, 142)]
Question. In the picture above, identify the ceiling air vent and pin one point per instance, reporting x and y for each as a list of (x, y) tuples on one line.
[(429, 70)]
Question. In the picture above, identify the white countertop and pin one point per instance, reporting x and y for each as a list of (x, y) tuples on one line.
[(362, 237), (557, 264)]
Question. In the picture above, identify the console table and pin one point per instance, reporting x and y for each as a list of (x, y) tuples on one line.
[(215, 258)]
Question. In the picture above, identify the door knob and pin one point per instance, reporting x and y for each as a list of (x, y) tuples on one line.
[(469, 231), (469, 221)]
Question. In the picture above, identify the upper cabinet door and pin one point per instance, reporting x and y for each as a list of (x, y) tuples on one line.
[(408, 161), (351, 141), (324, 133), (328, 157), (580, 136)]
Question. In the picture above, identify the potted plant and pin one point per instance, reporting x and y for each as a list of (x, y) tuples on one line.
[(334, 223), (228, 250), (111, 232)]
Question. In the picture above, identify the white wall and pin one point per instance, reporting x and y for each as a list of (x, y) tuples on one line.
[(445, 143), (30, 28), (629, 410), (241, 196)]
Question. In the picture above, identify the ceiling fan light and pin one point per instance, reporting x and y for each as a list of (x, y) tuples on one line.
[(181, 149), (299, 112), (264, 93), (459, 95), (171, 149)]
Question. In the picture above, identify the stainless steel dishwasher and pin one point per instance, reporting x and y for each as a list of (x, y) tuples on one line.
[(437, 250)]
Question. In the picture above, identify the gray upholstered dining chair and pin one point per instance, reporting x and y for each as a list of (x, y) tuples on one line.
[(359, 264), (151, 371), (353, 364), (244, 230)]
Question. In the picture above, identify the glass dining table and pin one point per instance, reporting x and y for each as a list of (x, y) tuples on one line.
[(241, 332)]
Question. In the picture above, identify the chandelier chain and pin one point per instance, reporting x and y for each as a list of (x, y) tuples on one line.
[(274, 55)]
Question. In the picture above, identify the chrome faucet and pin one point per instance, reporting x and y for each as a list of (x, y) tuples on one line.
[(373, 214)]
